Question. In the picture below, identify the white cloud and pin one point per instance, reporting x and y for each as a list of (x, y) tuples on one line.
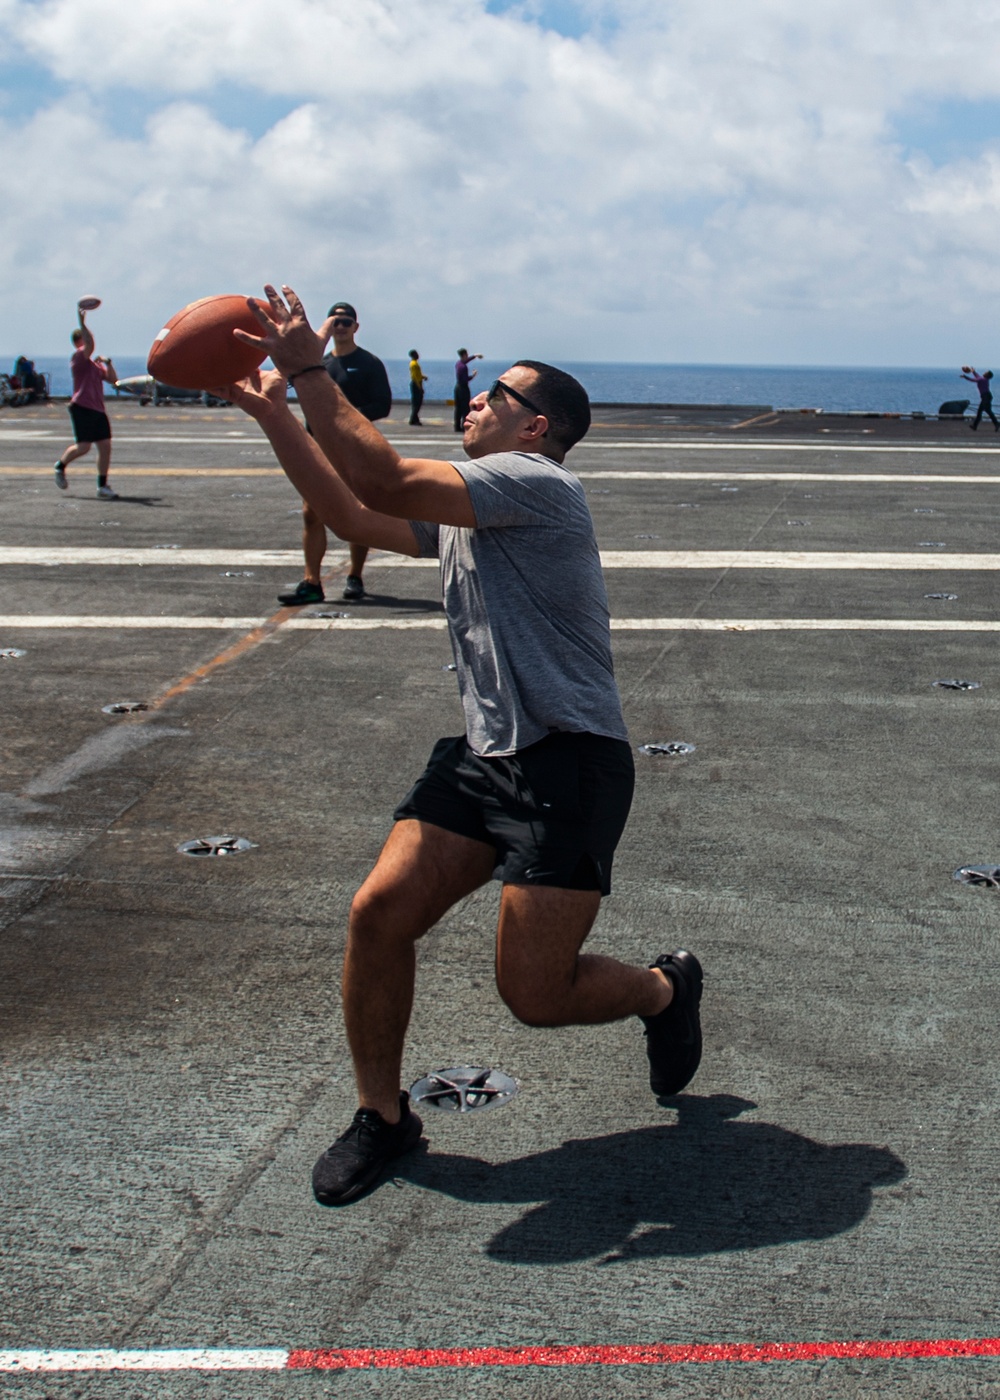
[(689, 181)]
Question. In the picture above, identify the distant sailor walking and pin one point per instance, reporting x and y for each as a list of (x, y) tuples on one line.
[(985, 387), (417, 378), (86, 408), (463, 392)]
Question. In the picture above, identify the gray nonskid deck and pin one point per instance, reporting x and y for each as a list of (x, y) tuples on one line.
[(173, 1055)]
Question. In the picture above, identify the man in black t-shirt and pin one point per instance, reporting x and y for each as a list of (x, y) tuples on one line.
[(363, 379)]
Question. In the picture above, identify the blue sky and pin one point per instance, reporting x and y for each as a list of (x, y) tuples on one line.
[(28, 88), (591, 179), (943, 130), (948, 129), (566, 17)]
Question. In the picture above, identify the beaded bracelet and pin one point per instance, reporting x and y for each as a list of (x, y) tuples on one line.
[(308, 370)]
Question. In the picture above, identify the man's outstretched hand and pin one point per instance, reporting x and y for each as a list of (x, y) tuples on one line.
[(286, 333), (259, 395)]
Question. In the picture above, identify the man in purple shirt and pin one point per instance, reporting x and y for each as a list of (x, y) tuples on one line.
[(463, 394), (982, 383)]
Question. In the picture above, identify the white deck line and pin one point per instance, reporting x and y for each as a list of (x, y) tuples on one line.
[(909, 561), (634, 445), (227, 440), (929, 559), (251, 473), (712, 445), (146, 555), (132, 621), (170, 1359), (799, 624), (435, 622), (39, 434), (842, 478)]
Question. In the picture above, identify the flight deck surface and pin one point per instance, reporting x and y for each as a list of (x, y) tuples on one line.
[(173, 1057)]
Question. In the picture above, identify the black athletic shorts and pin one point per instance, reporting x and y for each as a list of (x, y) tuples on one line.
[(554, 811), (88, 424)]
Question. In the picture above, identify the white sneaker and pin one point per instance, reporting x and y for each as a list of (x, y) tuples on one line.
[(105, 493)]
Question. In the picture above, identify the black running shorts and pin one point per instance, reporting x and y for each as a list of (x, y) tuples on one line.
[(88, 424), (554, 812)]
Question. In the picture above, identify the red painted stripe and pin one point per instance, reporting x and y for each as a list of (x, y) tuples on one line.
[(359, 1358)]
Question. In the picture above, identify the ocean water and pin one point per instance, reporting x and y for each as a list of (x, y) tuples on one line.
[(840, 389), (835, 390)]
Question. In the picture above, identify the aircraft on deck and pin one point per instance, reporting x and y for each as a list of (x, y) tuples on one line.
[(149, 390)]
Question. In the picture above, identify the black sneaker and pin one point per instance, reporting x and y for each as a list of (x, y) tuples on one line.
[(305, 592), (673, 1038), (353, 589), (357, 1159), (61, 481)]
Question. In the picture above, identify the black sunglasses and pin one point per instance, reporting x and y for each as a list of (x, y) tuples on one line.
[(499, 387), (341, 322)]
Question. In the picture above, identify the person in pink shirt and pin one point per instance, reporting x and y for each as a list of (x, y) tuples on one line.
[(86, 410)]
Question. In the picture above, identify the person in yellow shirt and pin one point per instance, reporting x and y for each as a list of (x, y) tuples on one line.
[(417, 378)]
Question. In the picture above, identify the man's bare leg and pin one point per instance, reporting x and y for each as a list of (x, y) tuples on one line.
[(545, 979), (422, 871), (75, 450), (313, 543), (103, 461), (359, 553)]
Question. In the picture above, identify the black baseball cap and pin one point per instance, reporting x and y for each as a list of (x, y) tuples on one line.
[(345, 307)]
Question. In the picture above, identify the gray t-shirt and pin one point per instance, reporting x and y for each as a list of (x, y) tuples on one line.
[(526, 606)]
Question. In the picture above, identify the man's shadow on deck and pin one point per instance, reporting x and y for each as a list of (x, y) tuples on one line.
[(703, 1185), (389, 600), (154, 501)]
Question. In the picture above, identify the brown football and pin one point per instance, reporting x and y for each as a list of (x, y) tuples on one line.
[(197, 349)]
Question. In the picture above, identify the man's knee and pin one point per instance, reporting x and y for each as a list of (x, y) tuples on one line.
[(531, 1004), (381, 911), (370, 909)]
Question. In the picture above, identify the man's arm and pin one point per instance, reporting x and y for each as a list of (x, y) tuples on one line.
[(375, 474), (408, 488), (263, 398), (88, 341)]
